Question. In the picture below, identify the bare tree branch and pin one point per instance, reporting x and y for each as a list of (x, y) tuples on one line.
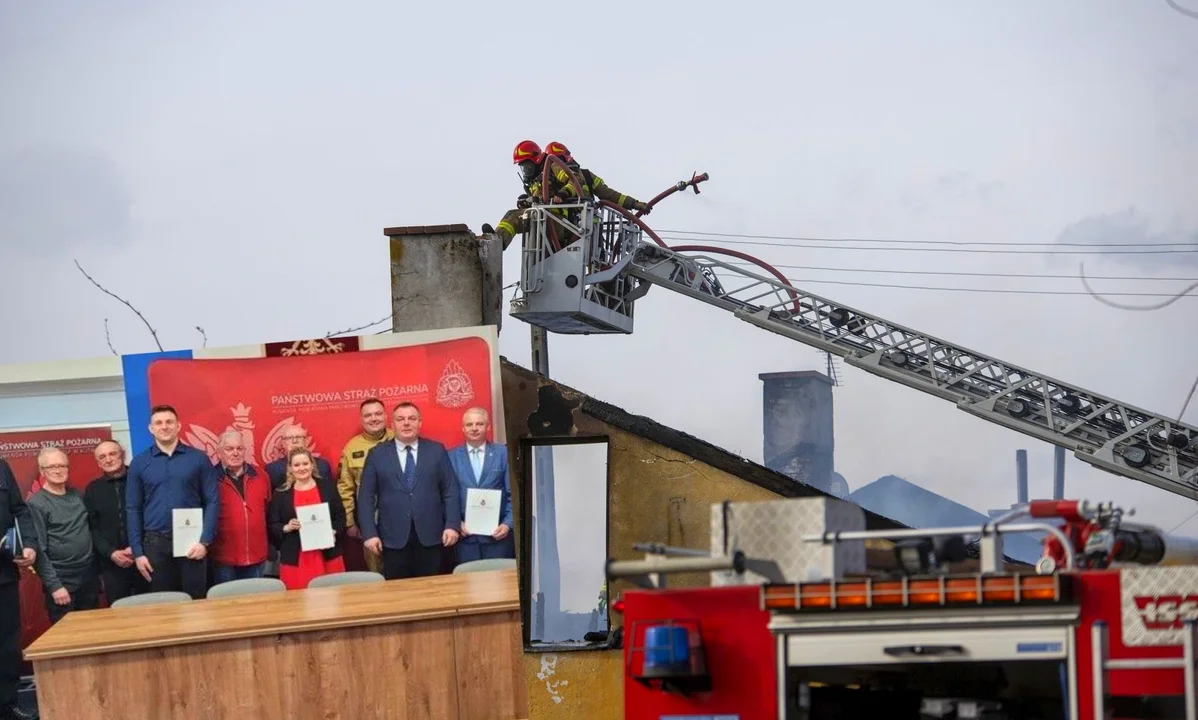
[(404, 302), (360, 327), (129, 305), (108, 338), (204, 335), (1157, 306)]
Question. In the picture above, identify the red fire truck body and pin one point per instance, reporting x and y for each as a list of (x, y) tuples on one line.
[(1102, 629)]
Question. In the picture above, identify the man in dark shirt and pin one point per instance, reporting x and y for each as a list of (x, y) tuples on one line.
[(165, 477), (294, 437), (67, 561), (105, 499), (14, 515)]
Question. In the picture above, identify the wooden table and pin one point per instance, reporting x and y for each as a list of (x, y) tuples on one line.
[(439, 648)]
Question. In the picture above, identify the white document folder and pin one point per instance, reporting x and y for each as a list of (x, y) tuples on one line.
[(187, 524), (482, 510), (316, 527)]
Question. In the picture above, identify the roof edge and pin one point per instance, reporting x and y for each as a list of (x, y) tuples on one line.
[(709, 453)]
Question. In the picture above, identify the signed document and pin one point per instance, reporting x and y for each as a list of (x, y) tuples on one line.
[(316, 527), (482, 510), (187, 524)]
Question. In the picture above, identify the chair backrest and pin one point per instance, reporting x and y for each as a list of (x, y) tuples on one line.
[(246, 586), (485, 565), (153, 598), (351, 577)]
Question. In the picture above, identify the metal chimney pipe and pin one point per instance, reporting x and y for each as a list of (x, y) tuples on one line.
[(1021, 476), (1058, 474)]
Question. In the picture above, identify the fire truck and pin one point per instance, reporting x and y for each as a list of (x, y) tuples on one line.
[(793, 627)]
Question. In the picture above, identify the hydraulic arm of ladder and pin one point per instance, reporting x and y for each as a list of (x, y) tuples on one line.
[(1106, 433)]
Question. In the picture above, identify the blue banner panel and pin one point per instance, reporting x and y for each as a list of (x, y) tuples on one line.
[(137, 394)]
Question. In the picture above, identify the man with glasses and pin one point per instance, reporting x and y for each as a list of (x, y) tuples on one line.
[(294, 437), (67, 561)]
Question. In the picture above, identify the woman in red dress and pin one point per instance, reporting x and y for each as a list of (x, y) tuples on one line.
[(304, 486)]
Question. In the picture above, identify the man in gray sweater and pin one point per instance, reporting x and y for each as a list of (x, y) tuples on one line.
[(66, 559)]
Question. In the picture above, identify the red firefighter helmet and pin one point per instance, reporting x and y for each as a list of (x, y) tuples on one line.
[(525, 151), (560, 150)]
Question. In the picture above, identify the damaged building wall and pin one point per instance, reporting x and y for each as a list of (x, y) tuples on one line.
[(662, 484)]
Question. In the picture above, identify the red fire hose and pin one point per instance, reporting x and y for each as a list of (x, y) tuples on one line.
[(554, 241), (693, 183), (681, 185)]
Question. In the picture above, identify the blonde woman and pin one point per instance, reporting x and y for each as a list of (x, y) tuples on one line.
[(304, 485)]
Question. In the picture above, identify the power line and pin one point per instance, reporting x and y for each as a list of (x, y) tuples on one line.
[(952, 249), (1002, 291), (958, 243), (1046, 276)]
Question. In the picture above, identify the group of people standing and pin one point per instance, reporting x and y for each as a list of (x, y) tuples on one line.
[(402, 495)]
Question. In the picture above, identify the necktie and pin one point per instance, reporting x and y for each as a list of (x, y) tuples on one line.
[(476, 461), (409, 468)]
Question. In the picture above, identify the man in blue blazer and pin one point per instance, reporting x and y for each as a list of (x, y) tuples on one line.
[(483, 465), (411, 485)]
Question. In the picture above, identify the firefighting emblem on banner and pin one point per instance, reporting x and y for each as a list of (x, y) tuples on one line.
[(454, 389)]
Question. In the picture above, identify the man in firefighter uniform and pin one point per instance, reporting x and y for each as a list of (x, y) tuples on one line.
[(373, 416), (593, 186), (531, 160)]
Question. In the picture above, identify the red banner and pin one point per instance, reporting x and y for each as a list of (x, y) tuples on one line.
[(20, 448), (261, 396)]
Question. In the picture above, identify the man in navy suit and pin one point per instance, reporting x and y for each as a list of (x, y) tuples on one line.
[(411, 485), (483, 465)]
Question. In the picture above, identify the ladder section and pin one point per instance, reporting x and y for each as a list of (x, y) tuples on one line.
[(1106, 433)]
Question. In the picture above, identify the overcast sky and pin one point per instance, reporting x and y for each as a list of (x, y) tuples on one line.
[(231, 165)]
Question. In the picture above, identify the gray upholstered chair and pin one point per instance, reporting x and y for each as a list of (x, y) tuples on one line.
[(485, 565), (153, 598), (246, 586), (352, 577)]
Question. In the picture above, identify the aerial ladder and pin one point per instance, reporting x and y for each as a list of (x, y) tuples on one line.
[(585, 264)]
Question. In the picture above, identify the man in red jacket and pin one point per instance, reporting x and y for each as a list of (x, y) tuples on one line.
[(239, 550)]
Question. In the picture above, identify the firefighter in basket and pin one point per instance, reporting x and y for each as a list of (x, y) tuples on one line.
[(593, 186), (530, 159)]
